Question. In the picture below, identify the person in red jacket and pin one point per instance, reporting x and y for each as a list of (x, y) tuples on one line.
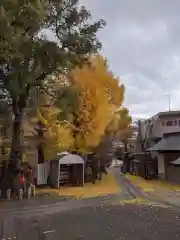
[(22, 180), (19, 182)]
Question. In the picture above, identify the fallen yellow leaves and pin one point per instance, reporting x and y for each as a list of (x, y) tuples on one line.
[(133, 201), (151, 185), (162, 184), (145, 185), (108, 185), (141, 201)]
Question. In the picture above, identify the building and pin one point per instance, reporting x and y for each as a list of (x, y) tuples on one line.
[(161, 136), (162, 123)]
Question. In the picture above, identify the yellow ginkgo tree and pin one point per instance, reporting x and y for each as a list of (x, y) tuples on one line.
[(99, 93), (57, 135), (120, 124)]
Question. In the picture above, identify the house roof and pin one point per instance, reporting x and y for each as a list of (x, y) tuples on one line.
[(176, 162), (167, 113), (169, 142)]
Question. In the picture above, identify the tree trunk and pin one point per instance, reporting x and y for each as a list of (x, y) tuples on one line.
[(16, 145), (40, 147), (125, 146), (40, 150), (7, 181)]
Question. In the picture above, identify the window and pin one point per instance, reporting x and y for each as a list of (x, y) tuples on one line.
[(175, 123), (169, 123)]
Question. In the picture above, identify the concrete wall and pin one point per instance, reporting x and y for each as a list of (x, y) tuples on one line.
[(158, 131), (165, 169), (161, 166), (161, 129), (173, 174)]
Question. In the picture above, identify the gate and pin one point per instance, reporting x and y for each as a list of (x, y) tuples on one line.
[(42, 173)]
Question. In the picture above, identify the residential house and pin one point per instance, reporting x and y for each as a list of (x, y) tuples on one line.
[(161, 136)]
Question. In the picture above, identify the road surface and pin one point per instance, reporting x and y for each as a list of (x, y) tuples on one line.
[(128, 222), (103, 218)]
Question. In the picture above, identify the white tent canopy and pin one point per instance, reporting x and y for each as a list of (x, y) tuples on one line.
[(71, 159), (65, 159)]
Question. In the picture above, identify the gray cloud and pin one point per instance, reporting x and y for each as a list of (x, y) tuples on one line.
[(142, 43)]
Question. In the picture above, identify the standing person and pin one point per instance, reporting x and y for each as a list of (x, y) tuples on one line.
[(19, 183), (22, 181), (30, 181)]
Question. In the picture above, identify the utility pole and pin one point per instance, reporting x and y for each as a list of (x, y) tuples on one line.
[(169, 100)]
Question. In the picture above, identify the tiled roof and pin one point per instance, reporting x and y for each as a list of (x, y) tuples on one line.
[(170, 142), (167, 113), (176, 162)]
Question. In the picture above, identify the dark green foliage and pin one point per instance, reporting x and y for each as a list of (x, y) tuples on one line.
[(67, 102), (28, 56)]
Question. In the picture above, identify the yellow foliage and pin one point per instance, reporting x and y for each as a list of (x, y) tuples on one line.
[(135, 201), (154, 185), (108, 185), (144, 185), (120, 124), (98, 91), (57, 136), (111, 84), (93, 112)]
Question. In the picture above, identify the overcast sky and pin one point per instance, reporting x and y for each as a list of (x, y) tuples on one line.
[(142, 44)]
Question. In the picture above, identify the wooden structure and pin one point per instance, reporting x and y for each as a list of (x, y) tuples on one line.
[(66, 169), (168, 150), (173, 171), (140, 164)]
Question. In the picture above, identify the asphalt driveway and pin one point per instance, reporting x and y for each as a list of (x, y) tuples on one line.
[(103, 218), (106, 222)]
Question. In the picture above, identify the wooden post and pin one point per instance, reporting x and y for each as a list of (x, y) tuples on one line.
[(83, 175), (8, 194), (33, 190), (29, 192), (58, 177), (20, 194)]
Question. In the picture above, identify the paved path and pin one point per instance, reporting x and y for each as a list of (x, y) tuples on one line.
[(160, 194), (96, 218), (128, 222)]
